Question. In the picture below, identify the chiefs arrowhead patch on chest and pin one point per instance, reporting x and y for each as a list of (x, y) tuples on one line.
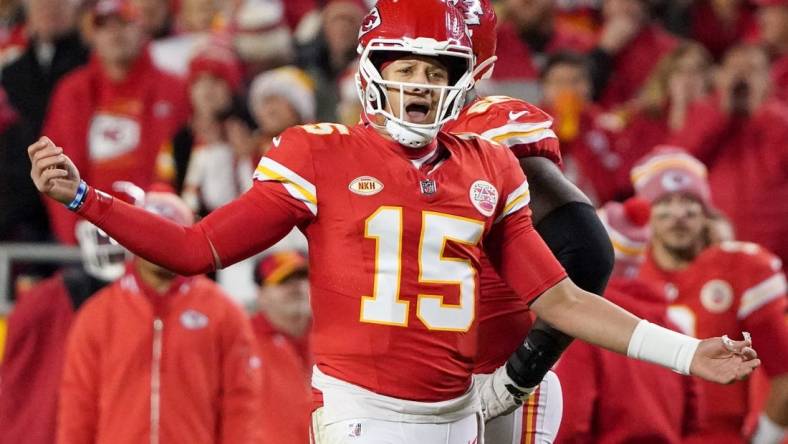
[(365, 186)]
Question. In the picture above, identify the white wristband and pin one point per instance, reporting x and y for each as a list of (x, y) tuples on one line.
[(768, 432), (658, 345)]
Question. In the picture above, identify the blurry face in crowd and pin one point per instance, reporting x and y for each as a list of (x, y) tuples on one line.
[(153, 274), (341, 21), (153, 15), (420, 104), (47, 19), (528, 14), (565, 79), (774, 26), (197, 15), (690, 71), (275, 114), (634, 9), (116, 41), (678, 224), (747, 64), (286, 304), (209, 95)]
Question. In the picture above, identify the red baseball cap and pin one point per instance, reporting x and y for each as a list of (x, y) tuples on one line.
[(279, 266), (668, 170)]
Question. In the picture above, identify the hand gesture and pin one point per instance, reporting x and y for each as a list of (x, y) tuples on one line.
[(53, 173), (724, 361)]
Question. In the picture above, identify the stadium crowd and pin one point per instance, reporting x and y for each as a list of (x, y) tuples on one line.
[(672, 117)]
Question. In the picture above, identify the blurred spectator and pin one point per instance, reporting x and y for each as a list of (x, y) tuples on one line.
[(297, 10), (529, 34), (214, 80), (332, 51), (37, 329), (714, 290), (54, 49), (586, 144), (611, 404), (279, 99), (262, 38), (773, 18), (348, 107), (155, 17), (629, 48), (193, 25), (715, 24), (200, 382), (740, 134), (12, 31), (282, 330), (112, 116)]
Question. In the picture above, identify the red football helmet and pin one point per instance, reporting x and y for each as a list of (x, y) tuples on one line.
[(481, 21), (424, 27)]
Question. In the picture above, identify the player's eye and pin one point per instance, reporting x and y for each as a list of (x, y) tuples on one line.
[(437, 75)]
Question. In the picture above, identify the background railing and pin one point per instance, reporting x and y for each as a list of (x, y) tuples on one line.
[(11, 253)]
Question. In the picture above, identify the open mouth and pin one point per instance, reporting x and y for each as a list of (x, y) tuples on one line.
[(417, 112)]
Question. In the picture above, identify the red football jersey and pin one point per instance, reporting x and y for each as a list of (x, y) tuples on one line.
[(504, 318), (733, 287), (395, 246)]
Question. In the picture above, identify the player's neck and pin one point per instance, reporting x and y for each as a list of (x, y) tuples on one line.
[(669, 259)]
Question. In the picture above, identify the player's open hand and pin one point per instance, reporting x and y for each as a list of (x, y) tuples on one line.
[(52, 171), (723, 361)]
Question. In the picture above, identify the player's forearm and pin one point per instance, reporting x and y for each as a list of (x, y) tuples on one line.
[(184, 250), (585, 316)]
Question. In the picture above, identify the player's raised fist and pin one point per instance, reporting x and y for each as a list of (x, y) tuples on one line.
[(53, 173), (724, 361)]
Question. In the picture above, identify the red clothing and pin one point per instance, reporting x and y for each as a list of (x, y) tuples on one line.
[(174, 367), (112, 130), (715, 34), (747, 161), (375, 224), (633, 64), (517, 61), (32, 363), (780, 77), (504, 317), (615, 399), (727, 289), (286, 402)]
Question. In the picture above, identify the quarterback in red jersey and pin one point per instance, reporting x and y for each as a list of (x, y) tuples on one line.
[(396, 213), (563, 216), (715, 289)]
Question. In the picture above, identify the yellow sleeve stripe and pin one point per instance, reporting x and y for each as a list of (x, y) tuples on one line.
[(517, 127), (297, 186), (761, 294)]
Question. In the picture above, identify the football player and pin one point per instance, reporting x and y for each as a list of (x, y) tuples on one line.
[(566, 220), (397, 213), (715, 289)]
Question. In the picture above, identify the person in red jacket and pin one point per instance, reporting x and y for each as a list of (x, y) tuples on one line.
[(628, 50), (116, 111), (740, 134), (715, 289), (37, 327), (157, 357), (615, 400), (773, 23), (282, 331)]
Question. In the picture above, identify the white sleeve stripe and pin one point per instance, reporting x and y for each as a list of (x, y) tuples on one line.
[(761, 294), (300, 197), (516, 205), (288, 174), (525, 139), (519, 191), (516, 128)]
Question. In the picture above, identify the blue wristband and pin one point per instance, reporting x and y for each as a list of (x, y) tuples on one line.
[(82, 192)]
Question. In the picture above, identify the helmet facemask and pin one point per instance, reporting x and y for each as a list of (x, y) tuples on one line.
[(102, 256), (374, 92)]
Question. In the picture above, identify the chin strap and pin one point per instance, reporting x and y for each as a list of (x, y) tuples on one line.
[(410, 137)]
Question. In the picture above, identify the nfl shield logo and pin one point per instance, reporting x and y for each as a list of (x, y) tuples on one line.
[(428, 187)]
